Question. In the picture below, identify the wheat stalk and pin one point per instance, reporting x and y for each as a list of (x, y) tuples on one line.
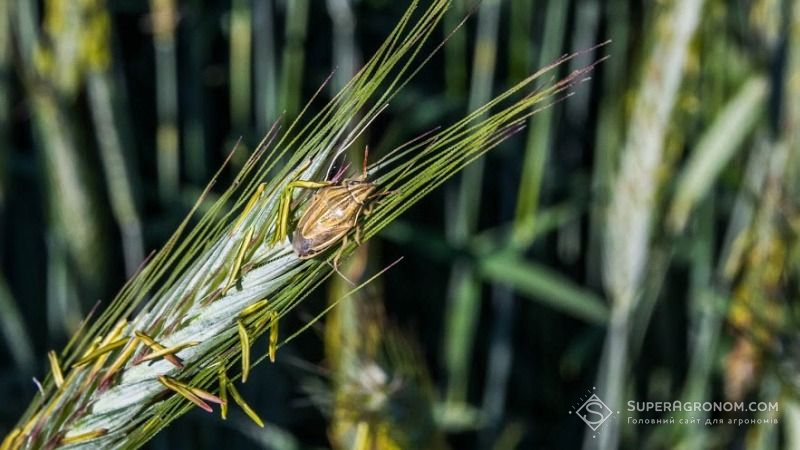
[(178, 327), (629, 217)]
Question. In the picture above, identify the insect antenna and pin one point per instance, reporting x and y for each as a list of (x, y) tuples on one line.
[(340, 173), (364, 163), (336, 269)]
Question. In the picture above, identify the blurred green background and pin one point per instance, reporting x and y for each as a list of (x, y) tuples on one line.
[(639, 237)]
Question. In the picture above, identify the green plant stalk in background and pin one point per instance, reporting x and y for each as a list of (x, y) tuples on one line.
[(110, 126), (294, 56), (345, 53), (633, 196), (12, 326), (539, 138), (266, 80), (14, 331), (164, 16), (241, 49), (463, 303), (5, 101), (717, 146), (726, 135), (193, 133), (212, 290), (790, 128), (455, 52), (609, 135), (77, 231)]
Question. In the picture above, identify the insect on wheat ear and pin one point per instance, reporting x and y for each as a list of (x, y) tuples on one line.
[(329, 216)]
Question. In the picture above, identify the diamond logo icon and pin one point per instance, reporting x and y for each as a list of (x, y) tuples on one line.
[(594, 412)]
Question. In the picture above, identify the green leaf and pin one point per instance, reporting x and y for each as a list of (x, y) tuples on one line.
[(544, 285), (716, 147)]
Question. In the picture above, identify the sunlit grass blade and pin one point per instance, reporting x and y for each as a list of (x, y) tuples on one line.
[(716, 147)]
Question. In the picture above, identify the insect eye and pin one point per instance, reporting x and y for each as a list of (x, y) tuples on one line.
[(305, 246)]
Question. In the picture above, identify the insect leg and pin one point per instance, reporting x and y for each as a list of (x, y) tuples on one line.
[(357, 235), (339, 253), (339, 174), (335, 262), (339, 272), (282, 225), (367, 211)]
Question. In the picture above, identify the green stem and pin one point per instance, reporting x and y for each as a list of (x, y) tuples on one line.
[(540, 135), (633, 201), (266, 82), (464, 300), (455, 53), (193, 136), (294, 56), (241, 44), (610, 133), (15, 333), (167, 142), (117, 175)]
